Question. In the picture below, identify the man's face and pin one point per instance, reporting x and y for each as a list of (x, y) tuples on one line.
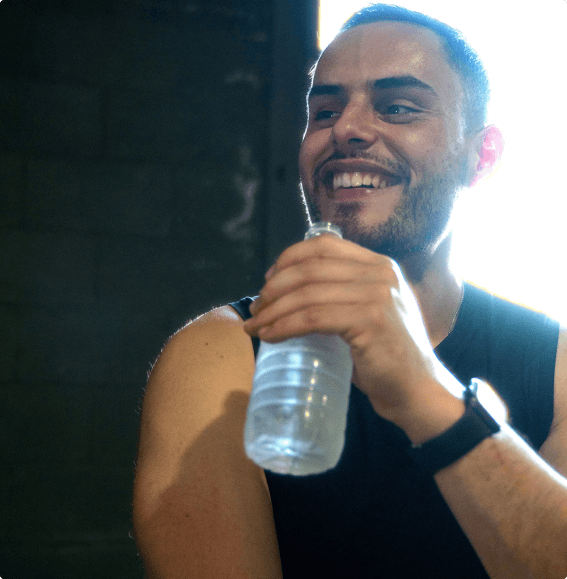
[(384, 152)]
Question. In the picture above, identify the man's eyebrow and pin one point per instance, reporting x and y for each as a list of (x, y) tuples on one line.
[(406, 80), (324, 90), (401, 81)]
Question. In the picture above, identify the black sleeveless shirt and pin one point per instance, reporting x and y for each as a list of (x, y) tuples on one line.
[(375, 515)]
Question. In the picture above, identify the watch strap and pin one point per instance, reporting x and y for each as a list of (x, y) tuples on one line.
[(471, 429)]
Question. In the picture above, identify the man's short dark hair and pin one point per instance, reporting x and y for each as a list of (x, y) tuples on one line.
[(460, 55)]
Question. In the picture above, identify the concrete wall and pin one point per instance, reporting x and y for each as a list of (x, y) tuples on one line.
[(141, 166)]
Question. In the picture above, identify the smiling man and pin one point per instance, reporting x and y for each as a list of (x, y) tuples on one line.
[(429, 483), (374, 123)]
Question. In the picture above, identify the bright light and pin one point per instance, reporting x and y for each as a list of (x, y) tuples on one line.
[(510, 230)]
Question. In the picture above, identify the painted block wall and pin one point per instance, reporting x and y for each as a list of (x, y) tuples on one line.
[(134, 185)]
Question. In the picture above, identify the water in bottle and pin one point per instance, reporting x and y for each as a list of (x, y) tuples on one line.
[(296, 417)]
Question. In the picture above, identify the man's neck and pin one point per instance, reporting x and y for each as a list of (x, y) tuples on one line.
[(438, 289)]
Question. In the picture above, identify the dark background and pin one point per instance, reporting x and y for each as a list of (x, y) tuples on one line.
[(147, 173)]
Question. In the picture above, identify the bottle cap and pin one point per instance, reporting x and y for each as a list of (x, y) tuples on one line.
[(321, 227)]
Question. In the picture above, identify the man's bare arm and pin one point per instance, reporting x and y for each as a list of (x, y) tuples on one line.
[(510, 502), (201, 508)]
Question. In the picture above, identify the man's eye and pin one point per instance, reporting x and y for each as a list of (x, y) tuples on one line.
[(325, 115), (399, 113)]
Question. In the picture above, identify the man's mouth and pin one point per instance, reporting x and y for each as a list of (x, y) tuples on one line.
[(345, 180), (358, 178)]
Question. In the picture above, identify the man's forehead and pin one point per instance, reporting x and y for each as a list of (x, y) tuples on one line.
[(381, 49)]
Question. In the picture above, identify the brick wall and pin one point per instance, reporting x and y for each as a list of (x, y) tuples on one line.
[(135, 173)]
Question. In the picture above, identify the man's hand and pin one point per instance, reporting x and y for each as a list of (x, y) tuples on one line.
[(333, 286)]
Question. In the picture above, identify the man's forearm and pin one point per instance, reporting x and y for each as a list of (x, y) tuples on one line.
[(513, 507)]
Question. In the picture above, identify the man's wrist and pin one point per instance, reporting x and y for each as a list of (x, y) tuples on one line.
[(433, 414), (475, 425)]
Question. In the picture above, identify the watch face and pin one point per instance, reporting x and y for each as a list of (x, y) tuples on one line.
[(487, 419)]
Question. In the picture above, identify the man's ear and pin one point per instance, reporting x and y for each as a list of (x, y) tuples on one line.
[(488, 147)]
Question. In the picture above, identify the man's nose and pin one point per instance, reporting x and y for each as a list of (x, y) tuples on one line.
[(356, 127)]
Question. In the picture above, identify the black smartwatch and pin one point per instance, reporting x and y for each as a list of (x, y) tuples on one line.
[(471, 429)]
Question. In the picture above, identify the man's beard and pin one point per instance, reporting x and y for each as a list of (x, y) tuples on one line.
[(419, 223)]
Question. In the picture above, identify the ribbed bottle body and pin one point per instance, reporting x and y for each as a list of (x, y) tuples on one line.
[(296, 417)]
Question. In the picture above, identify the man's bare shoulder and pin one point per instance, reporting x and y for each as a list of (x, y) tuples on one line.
[(222, 323), (200, 365), (214, 338), (204, 373)]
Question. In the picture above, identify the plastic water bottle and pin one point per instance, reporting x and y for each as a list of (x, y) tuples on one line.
[(296, 417)]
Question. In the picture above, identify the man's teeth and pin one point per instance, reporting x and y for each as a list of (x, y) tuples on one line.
[(343, 180)]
